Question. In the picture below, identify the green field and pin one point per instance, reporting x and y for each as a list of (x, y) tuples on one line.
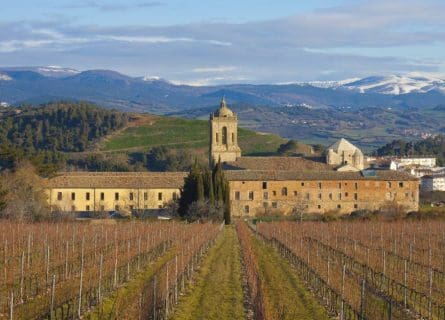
[(178, 133)]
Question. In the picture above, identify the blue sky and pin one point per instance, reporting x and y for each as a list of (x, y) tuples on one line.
[(227, 41)]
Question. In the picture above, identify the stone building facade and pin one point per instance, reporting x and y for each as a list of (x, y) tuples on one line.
[(258, 185), (289, 192), (345, 156), (108, 191)]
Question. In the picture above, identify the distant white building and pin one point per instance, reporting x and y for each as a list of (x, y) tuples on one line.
[(397, 164), (433, 183)]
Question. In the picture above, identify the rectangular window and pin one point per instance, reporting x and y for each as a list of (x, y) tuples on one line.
[(302, 184), (346, 194), (265, 195), (355, 196), (319, 206), (400, 184), (250, 195), (131, 196), (116, 196), (216, 137), (338, 206), (330, 196), (274, 193), (73, 196), (59, 196), (388, 184), (264, 185), (319, 196), (339, 185), (145, 196), (274, 205), (246, 209), (237, 195), (356, 186), (356, 206), (174, 196), (319, 185), (87, 196), (87, 208), (339, 196), (102, 196), (160, 196), (296, 193)]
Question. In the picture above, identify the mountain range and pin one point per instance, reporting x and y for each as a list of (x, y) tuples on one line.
[(379, 104)]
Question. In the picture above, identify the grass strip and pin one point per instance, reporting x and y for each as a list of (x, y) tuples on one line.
[(217, 291), (285, 295)]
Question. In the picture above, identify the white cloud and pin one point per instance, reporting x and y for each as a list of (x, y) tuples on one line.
[(214, 69)]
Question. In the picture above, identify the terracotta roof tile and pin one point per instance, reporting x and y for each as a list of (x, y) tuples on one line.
[(276, 163), (124, 180)]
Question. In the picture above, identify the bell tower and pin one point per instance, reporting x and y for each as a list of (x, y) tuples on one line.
[(223, 135)]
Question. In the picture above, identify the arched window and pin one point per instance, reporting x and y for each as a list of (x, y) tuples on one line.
[(224, 135), (233, 137), (217, 138), (284, 191)]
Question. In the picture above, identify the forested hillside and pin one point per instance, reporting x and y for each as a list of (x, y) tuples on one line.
[(41, 134), (434, 146)]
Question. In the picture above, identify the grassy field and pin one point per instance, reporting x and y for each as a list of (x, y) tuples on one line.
[(217, 292), (180, 133), (285, 295)]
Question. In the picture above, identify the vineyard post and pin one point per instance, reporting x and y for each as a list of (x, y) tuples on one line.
[(11, 306), (79, 310), (362, 301), (404, 283), (99, 291), (53, 289), (154, 297), (47, 263), (166, 294), (342, 292), (22, 265), (66, 260), (29, 252), (430, 292), (139, 252), (176, 279)]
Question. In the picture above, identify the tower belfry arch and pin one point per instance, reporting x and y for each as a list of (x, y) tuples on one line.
[(223, 125)]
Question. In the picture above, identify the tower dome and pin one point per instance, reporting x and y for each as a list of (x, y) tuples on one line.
[(223, 110)]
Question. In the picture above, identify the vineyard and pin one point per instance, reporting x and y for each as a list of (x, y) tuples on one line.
[(368, 270), (66, 271), (173, 270)]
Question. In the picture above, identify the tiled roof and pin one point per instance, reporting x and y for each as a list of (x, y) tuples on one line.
[(262, 175), (124, 180), (276, 163)]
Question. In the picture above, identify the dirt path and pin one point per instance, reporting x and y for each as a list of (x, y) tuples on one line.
[(285, 295), (217, 292)]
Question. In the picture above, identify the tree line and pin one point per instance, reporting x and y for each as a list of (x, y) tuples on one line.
[(43, 134), (433, 146)]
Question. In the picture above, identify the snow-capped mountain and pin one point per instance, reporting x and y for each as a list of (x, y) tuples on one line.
[(48, 71), (4, 77), (56, 71), (396, 84)]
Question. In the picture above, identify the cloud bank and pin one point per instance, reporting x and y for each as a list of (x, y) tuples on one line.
[(331, 43)]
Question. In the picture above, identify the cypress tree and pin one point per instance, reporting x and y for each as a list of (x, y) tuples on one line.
[(199, 187)]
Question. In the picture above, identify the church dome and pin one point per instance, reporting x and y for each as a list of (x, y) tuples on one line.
[(223, 110)]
